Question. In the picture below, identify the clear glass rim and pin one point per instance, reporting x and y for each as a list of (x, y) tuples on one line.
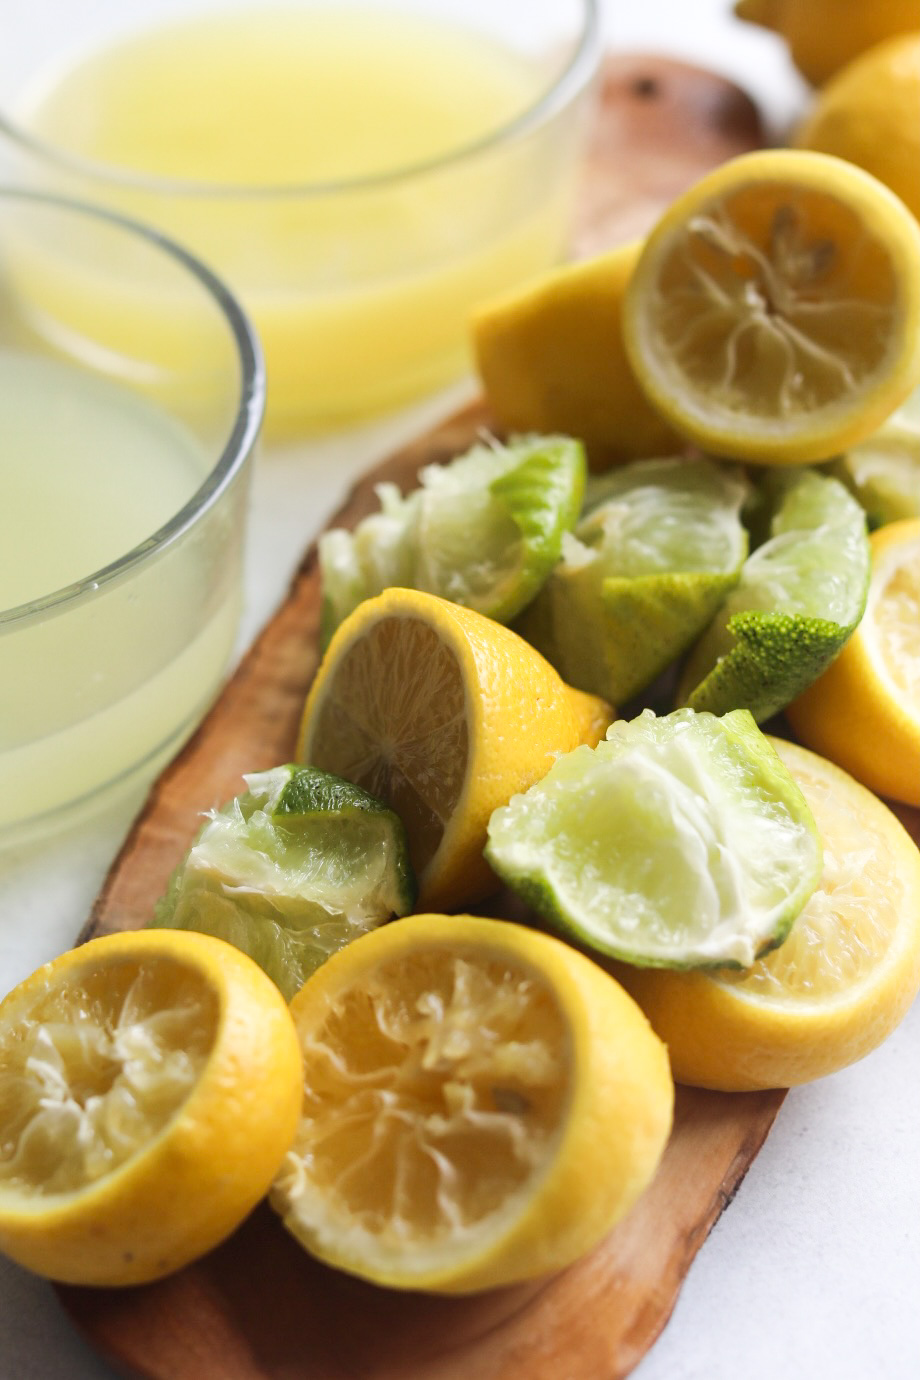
[(568, 85), (237, 448)]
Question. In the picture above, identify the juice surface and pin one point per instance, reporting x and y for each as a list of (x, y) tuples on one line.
[(282, 96), (87, 471), (361, 297)]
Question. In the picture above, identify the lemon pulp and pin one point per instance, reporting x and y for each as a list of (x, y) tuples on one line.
[(95, 1070), (379, 718), (434, 1093), (782, 322)]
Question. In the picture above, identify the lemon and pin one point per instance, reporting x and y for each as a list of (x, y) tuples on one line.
[(864, 712), (551, 358), (658, 548), (824, 35), (298, 865), (442, 714), (774, 313), (149, 1089), (884, 471), (801, 594), (869, 115), (839, 984), (679, 841), (481, 1105), (484, 530)]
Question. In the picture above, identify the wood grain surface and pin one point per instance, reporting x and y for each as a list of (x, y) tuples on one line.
[(258, 1308)]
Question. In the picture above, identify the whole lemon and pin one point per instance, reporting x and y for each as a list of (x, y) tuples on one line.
[(824, 35), (870, 115)]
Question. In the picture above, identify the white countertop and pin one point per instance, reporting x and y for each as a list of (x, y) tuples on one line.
[(813, 1273)]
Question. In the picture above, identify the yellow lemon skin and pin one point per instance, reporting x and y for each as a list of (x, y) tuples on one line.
[(177, 1196), (551, 359), (853, 714), (869, 114), (617, 1104), (519, 715), (733, 1035), (805, 243), (824, 35)]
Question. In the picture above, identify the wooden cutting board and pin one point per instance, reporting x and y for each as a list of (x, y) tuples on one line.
[(258, 1308)]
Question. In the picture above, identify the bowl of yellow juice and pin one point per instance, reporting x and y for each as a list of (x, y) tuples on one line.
[(124, 466), (361, 173)]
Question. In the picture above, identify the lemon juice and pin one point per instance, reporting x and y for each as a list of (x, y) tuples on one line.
[(274, 142), (93, 688)]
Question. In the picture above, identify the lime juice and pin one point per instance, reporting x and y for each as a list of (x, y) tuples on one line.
[(98, 684)]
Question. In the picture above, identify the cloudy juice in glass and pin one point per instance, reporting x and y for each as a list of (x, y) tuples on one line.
[(361, 174), (123, 474)]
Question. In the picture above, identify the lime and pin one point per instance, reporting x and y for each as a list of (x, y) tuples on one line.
[(291, 871), (799, 598), (483, 531), (659, 547), (680, 841), (884, 471)]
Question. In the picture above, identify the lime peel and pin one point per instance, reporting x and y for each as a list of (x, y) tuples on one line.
[(800, 596), (292, 870)]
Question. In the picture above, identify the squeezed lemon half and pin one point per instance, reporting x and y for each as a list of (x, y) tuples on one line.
[(481, 1105), (774, 313), (149, 1087)]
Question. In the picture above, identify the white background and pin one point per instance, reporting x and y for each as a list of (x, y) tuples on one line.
[(814, 1270)]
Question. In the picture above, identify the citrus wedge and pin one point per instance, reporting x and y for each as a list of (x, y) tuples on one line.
[(484, 530), (883, 472), (149, 1088), (679, 841), (800, 595), (481, 1105), (551, 358), (864, 712), (835, 988), (656, 552), (291, 870), (443, 714), (774, 313)]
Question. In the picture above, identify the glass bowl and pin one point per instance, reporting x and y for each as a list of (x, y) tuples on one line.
[(123, 487), (360, 282)]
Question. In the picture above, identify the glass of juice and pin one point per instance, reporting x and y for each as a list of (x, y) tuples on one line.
[(125, 448), (361, 173)]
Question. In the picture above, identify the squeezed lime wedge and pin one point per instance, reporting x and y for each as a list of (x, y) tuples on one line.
[(679, 842), (801, 594), (291, 871), (483, 531), (883, 472), (657, 550)]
